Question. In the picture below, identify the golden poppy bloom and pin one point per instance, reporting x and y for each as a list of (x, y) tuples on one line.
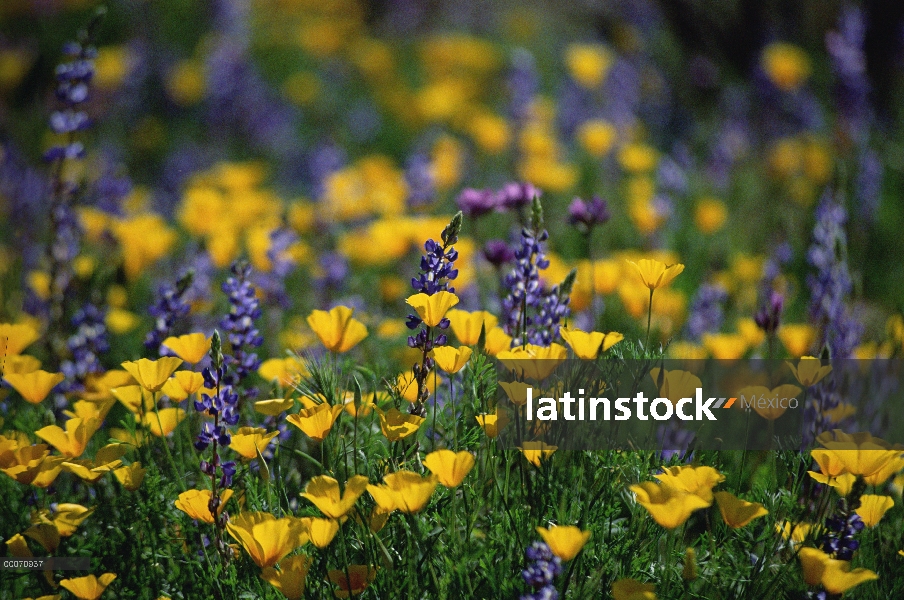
[(284, 371), (99, 387), (196, 504), (182, 385), (497, 341), (337, 330), (450, 467), (405, 491), (322, 531), (130, 476), (291, 577), (693, 480), (516, 391), (710, 215), (655, 274), (533, 362), (248, 442), (152, 374), (397, 426), (192, 347), (90, 410), (588, 345), (872, 508), (164, 421), (493, 423), (596, 137), (134, 397), (72, 442), (860, 454), (323, 492), (20, 364), (316, 422), (45, 534), (265, 538), (537, 452), (725, 346), (353, 583), (631, 589), (675, 384), (588, 64), (809, 370), (106, 460), (33, 386), (737, 512), (274, 406), (17, 547), (15, 337), (834, 575), (669, 505), (798, 338), (29, 465), (467, 325), (786, 65), (432, 309), (88, 587), (564, 541), (449, 359), (406, 385)]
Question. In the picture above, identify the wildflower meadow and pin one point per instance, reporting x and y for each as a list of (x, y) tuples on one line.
[(450, 300)]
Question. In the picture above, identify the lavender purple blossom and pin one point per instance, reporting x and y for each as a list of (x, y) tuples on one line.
[(542, 569), (222, 405), (86, 345), (171, 306), (706, 311), (243, 336)]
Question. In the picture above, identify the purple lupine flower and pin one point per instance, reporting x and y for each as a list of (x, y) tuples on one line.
[(244, 309), (845, 47), (587, 215), (542, 569), (517, 195), (437, 269), (420, 180), (869, 184), (498, 252), (768, 317), (831, 285), (523, 85), (840, 529), (273, 282), (706, 312), (476, 203), (171, 306), (219, 401), (86, 345)]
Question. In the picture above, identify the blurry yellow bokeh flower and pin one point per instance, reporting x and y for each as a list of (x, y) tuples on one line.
[(15, 337), (786, 65), (588, 64), (710, 215), (34, 386), (631, 589)]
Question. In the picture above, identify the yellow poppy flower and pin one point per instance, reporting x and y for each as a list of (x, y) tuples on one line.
[(432, 309), (497, 341), (265, 538), (20, 364), (537, 452), (862, 454), (516, 391), (493, 423), (337, 330), (134, 397), (564, 541), (725, 346), (809, 370), (247, 442), (196, 503), (105, 460), (675, 384), (467, 325), (710, 214), (192, 347), (798, 338), (668, 505), (152, 374), (449, 359), (90, 410), (631, 589), (450, 467), (26, 464), (322, 531), (34, 386), (693, 480), (274, 406), (406, 385), (842, 481), (15, 337), (786, 65), (796, 533), (834, 575), (45, 534), (130, 476), (655, 274), (323, 492), (69, 516), (872, 508), (88, 587), (405, 491), (737, 512), (397, 426), (284, 371), (99, 387), (589, 64), (72, 442), (316, 422), (354, 582), (17, 547), (533, 362), (182, 385), (164, 421), (291, 577), (588, 345)]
